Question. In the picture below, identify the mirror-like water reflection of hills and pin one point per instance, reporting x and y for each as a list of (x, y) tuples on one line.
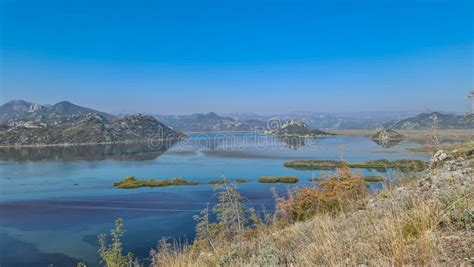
[(387, 143), (293, 142), (137, 151)]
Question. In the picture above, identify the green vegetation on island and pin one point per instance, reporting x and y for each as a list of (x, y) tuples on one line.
[(131, 182), (278, 179), (222, 181), (381, 164)]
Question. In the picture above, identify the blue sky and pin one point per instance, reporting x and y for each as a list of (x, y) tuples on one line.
[(239, 56)]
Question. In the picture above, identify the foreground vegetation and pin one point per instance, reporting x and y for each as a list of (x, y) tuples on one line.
[(278, 179), (131, 182), (427, 220), (381, 165), (369, 178)]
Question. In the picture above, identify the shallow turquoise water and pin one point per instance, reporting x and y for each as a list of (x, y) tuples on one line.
[(53, 203)]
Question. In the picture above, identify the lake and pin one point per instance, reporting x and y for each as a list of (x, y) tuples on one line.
[(55, 201)]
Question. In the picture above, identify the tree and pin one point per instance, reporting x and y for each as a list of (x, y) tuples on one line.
[(111, 254), (470, 99)]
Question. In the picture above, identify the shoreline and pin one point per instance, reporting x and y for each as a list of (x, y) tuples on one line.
[(90, 144), (444, 134), (450, 134)]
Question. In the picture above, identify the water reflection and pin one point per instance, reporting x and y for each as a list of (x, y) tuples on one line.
[(137, 151), (293, 142), (386, 143)]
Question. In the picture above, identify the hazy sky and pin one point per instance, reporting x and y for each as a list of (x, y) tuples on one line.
[(239, 56)]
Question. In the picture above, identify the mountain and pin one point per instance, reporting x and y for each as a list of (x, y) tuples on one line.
[(25, 123), (23, 110), (90, 128), (210, 122), (425, 121), (296, 128), (17, 109), (65, 108), (333, 121)]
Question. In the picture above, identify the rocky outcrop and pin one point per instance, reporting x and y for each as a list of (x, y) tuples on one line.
[(448, 172), (90, 128), (387, 138), (296, 128)]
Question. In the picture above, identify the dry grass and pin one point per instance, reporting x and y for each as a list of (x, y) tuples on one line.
[(462, 148), (407, 230), (405, 234)]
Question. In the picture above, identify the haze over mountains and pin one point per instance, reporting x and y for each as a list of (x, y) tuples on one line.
[(20, 109), (211, 122), (439, 120), (23, 122)]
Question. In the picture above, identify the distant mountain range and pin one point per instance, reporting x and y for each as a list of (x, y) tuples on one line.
[(333, 121), (25, 123), (211, 122), (66, 123), (425, 121)]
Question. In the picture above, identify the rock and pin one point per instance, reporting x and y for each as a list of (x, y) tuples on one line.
[(296, 128), (387, 138)]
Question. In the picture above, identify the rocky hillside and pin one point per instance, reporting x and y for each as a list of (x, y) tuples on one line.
[(296, 128), (23, 110), (90, 128), (424, 121), (210, 122)]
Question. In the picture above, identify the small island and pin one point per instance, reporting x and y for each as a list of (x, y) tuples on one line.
[(222, 181), (297, 128), (381, 164), (278, 179), (387, 138), (131, 182)]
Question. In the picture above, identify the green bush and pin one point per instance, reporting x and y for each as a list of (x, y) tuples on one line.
[(130, 182), (278, 179)]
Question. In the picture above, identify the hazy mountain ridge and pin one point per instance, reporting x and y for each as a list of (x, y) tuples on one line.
[(23, 110), (425, 121), (210, 122), (334, 121)]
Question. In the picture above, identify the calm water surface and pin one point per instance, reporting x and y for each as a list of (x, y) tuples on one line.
[(54, 201)]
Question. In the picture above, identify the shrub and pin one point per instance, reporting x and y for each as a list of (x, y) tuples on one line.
[(460, 209), (342, 192), (111, 254)]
